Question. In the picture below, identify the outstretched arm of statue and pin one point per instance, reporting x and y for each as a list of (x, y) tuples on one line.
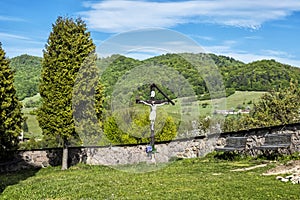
[(144, 102), (164, 103)]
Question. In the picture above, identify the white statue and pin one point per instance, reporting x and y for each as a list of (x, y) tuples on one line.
[(152, 115)]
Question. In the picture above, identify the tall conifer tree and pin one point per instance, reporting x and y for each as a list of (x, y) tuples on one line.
[(10, 109), (69, 46)]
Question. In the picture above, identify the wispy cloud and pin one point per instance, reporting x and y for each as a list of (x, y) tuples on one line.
[(12, 19), (253, 37), (148, 42), (19, 44), (248, 57), (13, 36), (117, 16), (202, 37), (16, 51), (270, 52)]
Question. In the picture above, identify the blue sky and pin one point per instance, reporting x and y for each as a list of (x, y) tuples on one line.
[(247, 30)]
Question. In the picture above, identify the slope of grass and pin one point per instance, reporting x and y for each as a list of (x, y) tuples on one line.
[(239, 98), (34, 98), (184, 179), (34, 130), (33, 126), (243, 98)]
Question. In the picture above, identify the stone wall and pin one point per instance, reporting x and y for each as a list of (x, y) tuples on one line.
[(130, 154), (256, 137), (187, 148)]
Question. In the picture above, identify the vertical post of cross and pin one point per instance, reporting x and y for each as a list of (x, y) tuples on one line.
[(152, 95), (152, 91), (153, 106)]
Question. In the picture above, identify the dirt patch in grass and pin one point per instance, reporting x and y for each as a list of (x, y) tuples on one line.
[(248, 168), (288, 168)]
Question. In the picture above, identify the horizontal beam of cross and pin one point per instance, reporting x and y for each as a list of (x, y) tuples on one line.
[(169, 100)]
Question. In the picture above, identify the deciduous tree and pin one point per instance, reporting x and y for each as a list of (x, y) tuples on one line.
[(276, 108)]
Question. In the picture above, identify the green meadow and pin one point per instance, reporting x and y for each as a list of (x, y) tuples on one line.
[(198, 178)]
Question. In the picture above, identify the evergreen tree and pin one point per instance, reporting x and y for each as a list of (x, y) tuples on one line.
[(88, 100), (10, 110), (69, 46)]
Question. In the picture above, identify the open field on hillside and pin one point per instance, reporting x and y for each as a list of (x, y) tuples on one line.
[(33, 126), (239, 98), (34, 98), (184, 179)]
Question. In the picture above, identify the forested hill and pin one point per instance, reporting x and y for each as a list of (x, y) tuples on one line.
[(261, 75), (27, 73)]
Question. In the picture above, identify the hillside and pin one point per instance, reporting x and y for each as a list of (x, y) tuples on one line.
[(260, 75), (27, 73), (263, 75)]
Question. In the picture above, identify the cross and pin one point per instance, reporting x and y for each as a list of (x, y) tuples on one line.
[(153, 105)]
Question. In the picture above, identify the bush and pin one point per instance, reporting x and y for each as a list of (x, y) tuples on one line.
[(138, 130)]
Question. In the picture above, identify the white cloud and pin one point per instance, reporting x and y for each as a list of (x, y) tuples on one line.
[(118, 16)]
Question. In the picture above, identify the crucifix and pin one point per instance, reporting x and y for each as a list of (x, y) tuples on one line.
[(153, 106)]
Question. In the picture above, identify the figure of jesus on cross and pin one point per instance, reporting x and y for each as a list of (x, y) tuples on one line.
[(153, 106)]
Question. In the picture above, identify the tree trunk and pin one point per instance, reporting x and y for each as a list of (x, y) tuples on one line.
[(64, 164)]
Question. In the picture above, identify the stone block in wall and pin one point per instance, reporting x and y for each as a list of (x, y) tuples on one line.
[(296, 142)]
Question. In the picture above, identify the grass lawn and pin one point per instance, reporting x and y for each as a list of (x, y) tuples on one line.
[(184, 179)]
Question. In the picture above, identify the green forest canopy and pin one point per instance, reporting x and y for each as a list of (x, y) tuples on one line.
[(27, 74), (263, 75)]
